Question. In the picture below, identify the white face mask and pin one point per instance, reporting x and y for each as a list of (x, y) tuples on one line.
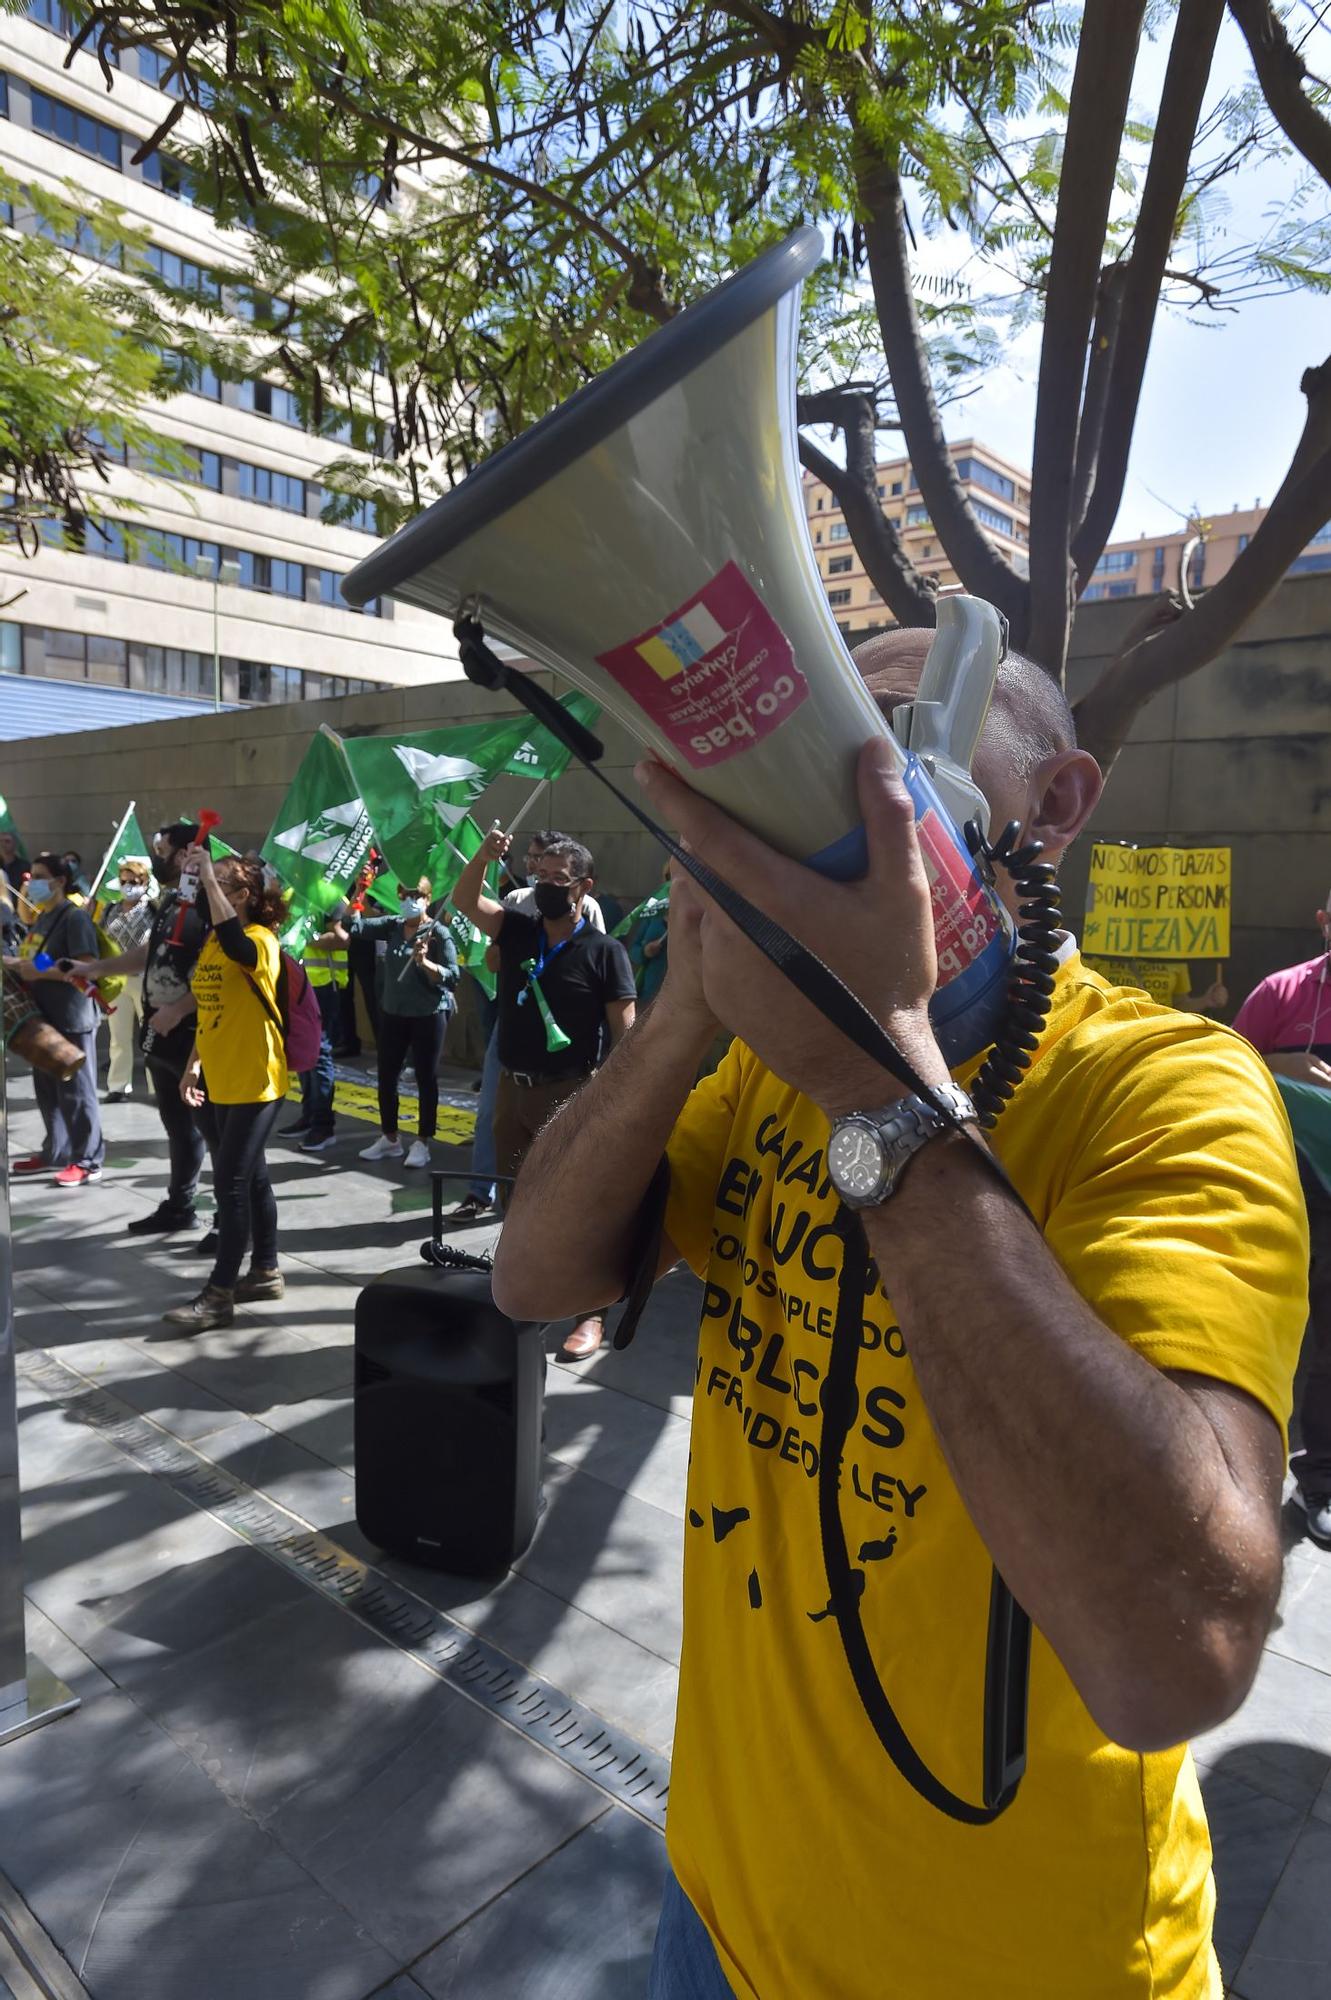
[(132, 892), (412, 906)]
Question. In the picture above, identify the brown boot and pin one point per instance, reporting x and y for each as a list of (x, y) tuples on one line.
[(259, 1284), (213, 1307)]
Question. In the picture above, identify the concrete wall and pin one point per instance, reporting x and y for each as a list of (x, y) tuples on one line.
[(1241, 753), (69, 791)]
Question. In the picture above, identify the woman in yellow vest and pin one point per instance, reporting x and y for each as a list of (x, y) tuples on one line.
[(236, 1077)]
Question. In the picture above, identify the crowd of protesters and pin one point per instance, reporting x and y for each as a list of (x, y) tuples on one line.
[(194, 985)]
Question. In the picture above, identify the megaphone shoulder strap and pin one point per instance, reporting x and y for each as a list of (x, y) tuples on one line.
[(1007, 1665)]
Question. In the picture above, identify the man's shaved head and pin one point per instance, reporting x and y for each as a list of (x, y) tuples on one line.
[(1029, 720)]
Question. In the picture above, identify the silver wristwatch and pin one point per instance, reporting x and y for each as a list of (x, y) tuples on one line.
[(869, 1151)]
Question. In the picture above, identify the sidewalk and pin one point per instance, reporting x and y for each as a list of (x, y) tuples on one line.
[(292, 1781)]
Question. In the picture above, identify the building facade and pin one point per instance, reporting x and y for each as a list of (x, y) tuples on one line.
[(999, 493), (226, 585), (1149, 564)]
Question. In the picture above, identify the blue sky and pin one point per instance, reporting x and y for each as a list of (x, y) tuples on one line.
[(1221, 410)]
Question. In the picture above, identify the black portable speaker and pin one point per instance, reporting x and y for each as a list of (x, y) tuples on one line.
[(449, 1395)]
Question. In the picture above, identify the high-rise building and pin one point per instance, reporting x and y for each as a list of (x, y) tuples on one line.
[(228, 582), (1148, 564), (1000, 496)]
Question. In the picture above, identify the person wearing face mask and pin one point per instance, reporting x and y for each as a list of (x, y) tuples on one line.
[(127, 923), (73, 1146), (566, 996), (417, 970), (235, 1080), (166, 1031)]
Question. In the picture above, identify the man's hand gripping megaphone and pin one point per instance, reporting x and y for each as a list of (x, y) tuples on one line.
[(876, 934)]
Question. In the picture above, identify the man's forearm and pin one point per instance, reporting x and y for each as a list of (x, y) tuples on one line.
[(591, 1166), (1097, 1484), (127, 964)]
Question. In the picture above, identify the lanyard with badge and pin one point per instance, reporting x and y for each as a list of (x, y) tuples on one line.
[(555, 1038)]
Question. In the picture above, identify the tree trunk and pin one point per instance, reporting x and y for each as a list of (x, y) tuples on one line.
[(855, 487)]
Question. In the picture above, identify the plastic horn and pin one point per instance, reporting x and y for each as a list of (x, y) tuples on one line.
[(555, 1038)]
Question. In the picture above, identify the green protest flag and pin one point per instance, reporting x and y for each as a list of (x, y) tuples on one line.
[(7, 825), (126, 844), (472, 944), (541, 757), (319, 840), (384, 889), (218, 849), (417, 788), (650, 906)]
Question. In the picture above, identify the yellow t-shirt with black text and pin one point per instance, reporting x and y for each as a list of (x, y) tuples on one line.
[(239, 1040), (1153, 1150)]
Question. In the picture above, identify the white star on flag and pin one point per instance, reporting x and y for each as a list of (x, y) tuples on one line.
[(426, 771)]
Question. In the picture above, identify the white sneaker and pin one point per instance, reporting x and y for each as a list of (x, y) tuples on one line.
[(419, 1156), (382, 1149)]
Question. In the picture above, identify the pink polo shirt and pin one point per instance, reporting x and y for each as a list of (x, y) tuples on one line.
[(1290, 1011)]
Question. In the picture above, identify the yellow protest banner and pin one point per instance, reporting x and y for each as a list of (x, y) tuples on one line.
[(1158, 902), (1156, 976)]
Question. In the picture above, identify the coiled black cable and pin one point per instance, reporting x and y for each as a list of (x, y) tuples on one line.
[(1034, 964)]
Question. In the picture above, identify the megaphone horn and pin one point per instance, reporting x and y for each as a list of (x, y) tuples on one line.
[(648, 541)]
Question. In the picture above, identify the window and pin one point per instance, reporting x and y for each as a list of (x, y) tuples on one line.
[(364, 515), (153, 66), (896, 489), (875, 597), (255, 682), (81, 237), (1094, 590), (108, 661), (838, 532), (4, 96), (75, 128), (882, 492), (182, 273), (1197, 568), (105, 539), (818, 538), (269, 399), (1303, 565), (11, 647), (838, 597), (172, 176), (917, 516), (1245, 539), (203, 468), (1116, 559), (840, 565), (927, 550), (191, 377), (181, 553), (980, 474), (989, 517), (270, 489), (820, 504)]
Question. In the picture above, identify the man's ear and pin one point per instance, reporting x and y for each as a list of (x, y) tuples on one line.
[(1067, 788)]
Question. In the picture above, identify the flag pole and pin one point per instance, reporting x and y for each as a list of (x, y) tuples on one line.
[(526, 806), (115, 841)]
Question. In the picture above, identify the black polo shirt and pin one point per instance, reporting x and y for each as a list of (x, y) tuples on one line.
[(579, 981)]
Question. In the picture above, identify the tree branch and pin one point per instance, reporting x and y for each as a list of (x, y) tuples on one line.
[(1099, 370), (978, 563), (1154, 661), (855, 488), (1191, 54), (1097, 110), (1281, 73)]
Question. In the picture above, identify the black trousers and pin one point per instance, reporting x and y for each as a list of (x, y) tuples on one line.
[(184, 1139), (246, 1204), (423, 1036), (1312, 1466)]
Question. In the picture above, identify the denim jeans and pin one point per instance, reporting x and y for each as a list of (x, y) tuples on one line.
[(684, 1964), (316, 1086), (483, 1166)]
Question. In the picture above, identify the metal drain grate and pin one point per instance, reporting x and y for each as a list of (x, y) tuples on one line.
[(629, 1774)]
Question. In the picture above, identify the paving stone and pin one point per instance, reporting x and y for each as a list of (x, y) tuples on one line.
[(1290, 1954), (631, 1445), (309, 1487), (56, 1650), (153, 1886), (324, 1425), (1251, 1836), (252, 1367), (409, 1803), (183, 1407), (658, 1364), (618, 1558), (587, 1917), (1303, 1627), (1279, 1742)]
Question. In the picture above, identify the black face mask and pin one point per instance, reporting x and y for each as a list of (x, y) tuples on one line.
[(164, 871), (552, 900)]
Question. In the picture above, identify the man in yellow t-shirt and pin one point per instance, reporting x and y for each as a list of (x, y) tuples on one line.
[(1092, 1403)]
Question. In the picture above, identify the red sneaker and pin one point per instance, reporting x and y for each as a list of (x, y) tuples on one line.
[(33, 1164), (71, 1177)]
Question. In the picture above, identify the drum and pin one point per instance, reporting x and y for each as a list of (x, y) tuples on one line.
[(28, 1031)]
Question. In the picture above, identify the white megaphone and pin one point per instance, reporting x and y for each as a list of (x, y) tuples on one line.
[(648, 541)]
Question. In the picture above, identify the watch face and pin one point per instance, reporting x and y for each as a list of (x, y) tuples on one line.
[(855, 1160)]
